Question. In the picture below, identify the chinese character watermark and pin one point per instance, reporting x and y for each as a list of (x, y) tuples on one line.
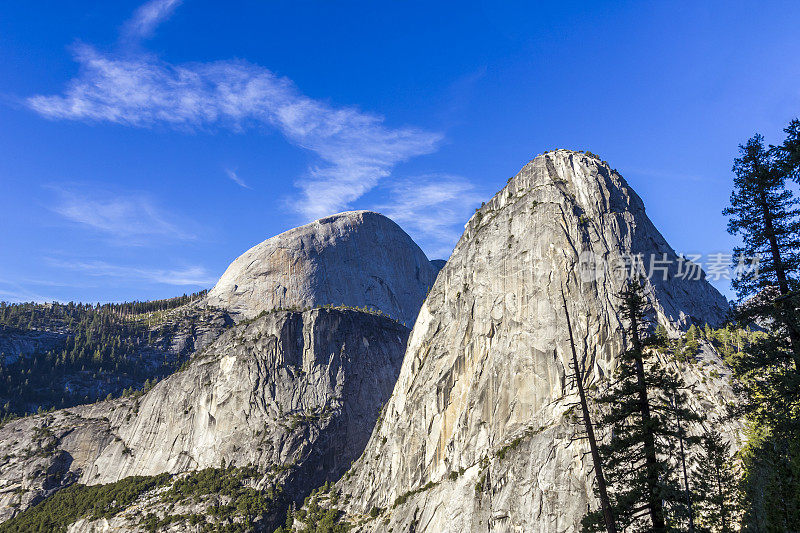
[(692, 267)]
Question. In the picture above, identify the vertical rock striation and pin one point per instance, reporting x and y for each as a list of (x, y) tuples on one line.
[(475, 436), (295, 394), (266, 393)]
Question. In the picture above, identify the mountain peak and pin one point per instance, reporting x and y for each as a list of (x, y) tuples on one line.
[(354, 258), (486, 362), (597, 205)]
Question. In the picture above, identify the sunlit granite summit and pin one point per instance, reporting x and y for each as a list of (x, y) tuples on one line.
[(356, 258)]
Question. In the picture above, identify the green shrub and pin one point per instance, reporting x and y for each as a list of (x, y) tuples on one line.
[(400, 500), (80, 501)]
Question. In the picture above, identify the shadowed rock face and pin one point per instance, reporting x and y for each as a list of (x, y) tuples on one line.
[(288, 376), (357, 259), (16, 342), (296, 393), (438, 264), (487, 359)]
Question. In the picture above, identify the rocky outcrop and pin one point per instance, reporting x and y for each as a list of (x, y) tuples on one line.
[(296, 393), (188, 329), (44, 453), (476, 435), (357, 259), (15, 342)]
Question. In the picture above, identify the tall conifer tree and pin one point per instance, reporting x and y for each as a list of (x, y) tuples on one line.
[(765, 214), (640, 414), (715, 482)]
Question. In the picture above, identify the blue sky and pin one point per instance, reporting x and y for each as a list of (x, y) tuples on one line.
[(143, 146)]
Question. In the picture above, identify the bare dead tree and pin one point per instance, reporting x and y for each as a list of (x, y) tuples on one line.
[(608, 515)]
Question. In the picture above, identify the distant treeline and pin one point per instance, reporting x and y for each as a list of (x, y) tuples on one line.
[(103, 344), (32, 315), (137, 307)]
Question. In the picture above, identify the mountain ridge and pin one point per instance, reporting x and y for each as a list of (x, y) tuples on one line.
[(486, 362), (475, 432)]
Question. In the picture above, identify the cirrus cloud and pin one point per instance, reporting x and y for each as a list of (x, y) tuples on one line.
[(354, 149), (433, 209), (130, 217), (147, 17), (234, 177)]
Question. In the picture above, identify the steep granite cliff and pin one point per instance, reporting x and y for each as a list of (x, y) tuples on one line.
[(476, 435), (292, 393)]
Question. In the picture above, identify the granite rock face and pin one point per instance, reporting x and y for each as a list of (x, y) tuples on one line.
[(356, 259), (15, 343), (295, 393), (264, 394), (44, 453), (476, 435)]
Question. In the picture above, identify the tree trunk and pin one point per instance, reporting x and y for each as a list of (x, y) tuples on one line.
[(651, 461), (608, 515), (683, 465), (785, 308)]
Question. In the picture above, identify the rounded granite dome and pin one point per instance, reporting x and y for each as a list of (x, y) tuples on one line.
[(355, 258)]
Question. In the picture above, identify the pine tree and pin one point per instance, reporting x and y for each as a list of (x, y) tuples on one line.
[(692, 344), (715, 481), (788, 153), (662, 337), (643, 422), (765, 214)]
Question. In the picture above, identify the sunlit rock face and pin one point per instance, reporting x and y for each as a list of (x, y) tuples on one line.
[(293, 393), (356, 258), (475, 436), (475, 433)]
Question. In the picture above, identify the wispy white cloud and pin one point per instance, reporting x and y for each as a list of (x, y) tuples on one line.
[(15, 292), (236, 179), (355, 149), (191, 275), (433, 209), (147, 17), (132, 217)]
